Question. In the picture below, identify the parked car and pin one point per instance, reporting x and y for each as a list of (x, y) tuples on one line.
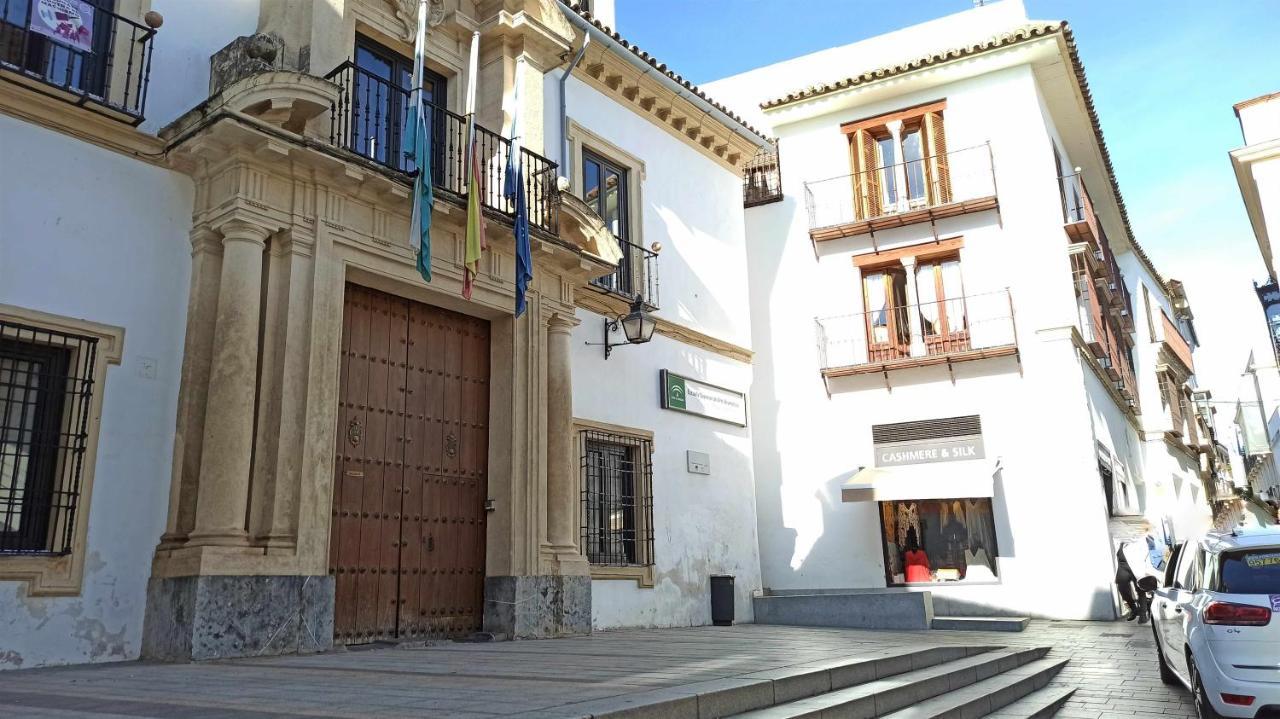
[(1215, 622)]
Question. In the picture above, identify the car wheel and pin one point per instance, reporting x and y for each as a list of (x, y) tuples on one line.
[(1204, 708), (1166, 673)]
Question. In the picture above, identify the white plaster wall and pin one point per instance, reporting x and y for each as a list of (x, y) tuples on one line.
[(94, 235), (1035, 410), (192, 32), (692, 205), (703, 524), (1260, 122)]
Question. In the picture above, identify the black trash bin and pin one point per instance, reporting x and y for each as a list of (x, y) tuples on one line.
[(722, 600)]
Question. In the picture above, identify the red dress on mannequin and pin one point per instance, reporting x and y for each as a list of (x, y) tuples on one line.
[(917, 566)]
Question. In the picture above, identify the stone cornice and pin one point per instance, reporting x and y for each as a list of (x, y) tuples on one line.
[(608, 305), (38, 109), (644, 95)]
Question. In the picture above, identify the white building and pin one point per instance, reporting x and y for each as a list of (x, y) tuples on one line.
[(235, 419), (1257, 167), (220, 233), (958, 345)]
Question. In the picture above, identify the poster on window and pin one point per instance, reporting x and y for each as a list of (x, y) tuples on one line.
[(70, 22)]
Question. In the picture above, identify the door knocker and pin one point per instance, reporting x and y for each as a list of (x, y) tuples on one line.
[(451, 445), (355, 432)]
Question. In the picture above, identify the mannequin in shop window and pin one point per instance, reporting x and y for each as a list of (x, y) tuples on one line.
[(916, 560)]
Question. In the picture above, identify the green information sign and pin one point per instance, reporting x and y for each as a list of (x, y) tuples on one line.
[(684, 394)]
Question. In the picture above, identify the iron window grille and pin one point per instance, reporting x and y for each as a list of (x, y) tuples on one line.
[(46, 388), (617, 498), (762, 178)]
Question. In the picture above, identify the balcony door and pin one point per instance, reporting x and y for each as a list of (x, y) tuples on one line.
[(887, 318), (899, 161), (605, 189), (380, 104), (944, 320)]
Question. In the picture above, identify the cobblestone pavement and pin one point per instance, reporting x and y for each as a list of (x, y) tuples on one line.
[(1112, 665)]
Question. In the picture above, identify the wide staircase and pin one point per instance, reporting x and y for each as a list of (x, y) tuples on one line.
[(962, 681)]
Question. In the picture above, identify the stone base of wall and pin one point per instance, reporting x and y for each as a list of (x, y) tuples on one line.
[(218, 617), (537, 607), (887, 610)]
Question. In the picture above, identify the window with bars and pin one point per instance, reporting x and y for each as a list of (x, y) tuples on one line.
[(46, 385), (617, 498)]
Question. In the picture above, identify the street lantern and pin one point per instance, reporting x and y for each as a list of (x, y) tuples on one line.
[(637, 326)]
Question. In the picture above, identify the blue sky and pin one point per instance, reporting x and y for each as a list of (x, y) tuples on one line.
[(1164, 76)]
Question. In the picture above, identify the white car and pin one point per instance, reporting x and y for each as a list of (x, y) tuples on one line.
[(1216, 625)]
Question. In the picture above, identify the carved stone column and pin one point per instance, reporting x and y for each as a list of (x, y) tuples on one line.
[(562, 477), (282, 394), (554, 598), (202, 307), (223, 496)]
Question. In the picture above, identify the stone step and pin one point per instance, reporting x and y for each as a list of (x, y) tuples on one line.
[(757, 690), (885, 696), (981, 624), (1039, 704), (848, 610), (988, 695)]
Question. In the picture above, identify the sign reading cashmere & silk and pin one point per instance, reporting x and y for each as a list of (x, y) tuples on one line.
[(684, 394)]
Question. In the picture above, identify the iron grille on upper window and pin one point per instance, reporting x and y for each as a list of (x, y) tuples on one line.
[(617, 498), (46, 384), (762, 178)]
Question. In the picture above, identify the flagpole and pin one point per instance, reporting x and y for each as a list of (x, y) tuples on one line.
[(475, 242), (415, 144)]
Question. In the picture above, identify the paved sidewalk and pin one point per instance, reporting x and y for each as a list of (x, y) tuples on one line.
[(1112, 666)]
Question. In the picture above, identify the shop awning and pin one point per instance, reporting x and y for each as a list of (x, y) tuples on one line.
[(934, 481)]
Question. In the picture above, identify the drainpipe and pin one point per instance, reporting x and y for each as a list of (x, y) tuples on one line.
[(566, 171)]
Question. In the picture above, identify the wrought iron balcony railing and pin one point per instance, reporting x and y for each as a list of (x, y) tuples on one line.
[(81, 53), (369, 120), (762, 179), (949, 330), (921, 190), (636, 276)]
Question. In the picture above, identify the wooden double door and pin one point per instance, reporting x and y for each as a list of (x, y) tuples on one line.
[(407, 544)]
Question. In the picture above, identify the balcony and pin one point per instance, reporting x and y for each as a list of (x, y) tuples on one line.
[(925, 190), (933, 333), (636, 276), (762, 179), (370, 116), (99, 60), (1172, 342), (1078, 217)]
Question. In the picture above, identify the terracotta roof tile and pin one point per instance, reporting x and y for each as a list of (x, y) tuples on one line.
[(659, 66), (1012, 37)]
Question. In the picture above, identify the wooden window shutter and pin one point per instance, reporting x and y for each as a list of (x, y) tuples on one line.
[(939, 180), (866, 181)]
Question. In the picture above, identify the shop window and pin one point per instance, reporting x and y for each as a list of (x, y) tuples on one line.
[(617, 498), (934, 541)]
